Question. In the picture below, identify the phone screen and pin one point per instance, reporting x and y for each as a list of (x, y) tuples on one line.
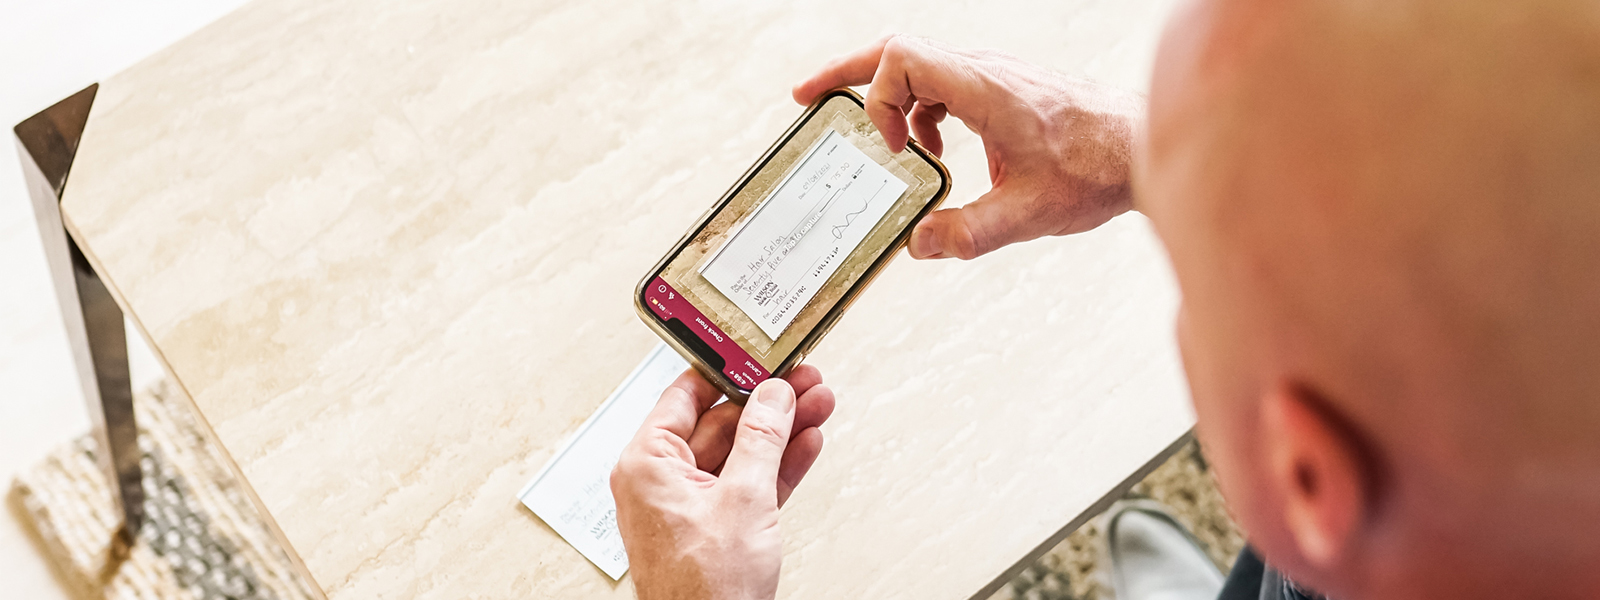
[(811, 221)]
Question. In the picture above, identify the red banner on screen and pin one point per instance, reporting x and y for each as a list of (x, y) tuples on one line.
[(667, 303)]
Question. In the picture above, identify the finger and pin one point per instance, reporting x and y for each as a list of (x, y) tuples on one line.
[(681, 404), (900, 69), (925, 119), (797, 460), (815, 401), (935, 234), (758, 442), (931, 73), (993, 221), (887, 97), (802, 378), (855, 68), (713, 436), (813, 408)]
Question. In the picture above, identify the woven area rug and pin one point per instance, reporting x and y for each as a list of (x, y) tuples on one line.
[(202, 539), (1079, 567)]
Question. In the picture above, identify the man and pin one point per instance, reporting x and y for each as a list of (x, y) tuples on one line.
[(1385, 221)]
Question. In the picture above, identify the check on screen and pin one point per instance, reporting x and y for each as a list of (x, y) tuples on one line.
[(799, 235)]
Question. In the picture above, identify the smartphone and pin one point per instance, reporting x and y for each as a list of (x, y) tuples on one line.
[(753, 286)]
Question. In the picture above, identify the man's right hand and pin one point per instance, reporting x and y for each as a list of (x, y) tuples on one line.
[(1060, 149)]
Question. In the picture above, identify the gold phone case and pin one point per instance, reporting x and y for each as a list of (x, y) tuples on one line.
[(792, 358)]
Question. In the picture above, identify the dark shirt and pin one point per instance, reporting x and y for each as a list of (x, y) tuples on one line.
[(1251, 579)]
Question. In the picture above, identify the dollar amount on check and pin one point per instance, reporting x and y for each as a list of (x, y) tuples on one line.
[(800, 234)]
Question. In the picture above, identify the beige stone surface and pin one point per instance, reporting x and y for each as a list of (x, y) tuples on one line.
[(389, 247)]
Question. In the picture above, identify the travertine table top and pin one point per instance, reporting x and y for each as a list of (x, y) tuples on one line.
[(388, 248)]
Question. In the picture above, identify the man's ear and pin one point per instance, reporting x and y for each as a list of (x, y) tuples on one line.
[(1315, 462)]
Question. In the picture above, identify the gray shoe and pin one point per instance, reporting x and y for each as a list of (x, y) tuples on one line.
[(1154, 558)]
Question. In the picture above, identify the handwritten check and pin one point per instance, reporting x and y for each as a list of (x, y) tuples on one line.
[(572, 493), (800, 234)]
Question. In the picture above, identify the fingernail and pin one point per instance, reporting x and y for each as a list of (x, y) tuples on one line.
[(924, 244), (776, 394)]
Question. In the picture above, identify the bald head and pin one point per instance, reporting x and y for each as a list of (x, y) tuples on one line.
[(1385, 217)]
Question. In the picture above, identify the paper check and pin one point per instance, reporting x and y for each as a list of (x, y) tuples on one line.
[(800, 234), (572, 493)]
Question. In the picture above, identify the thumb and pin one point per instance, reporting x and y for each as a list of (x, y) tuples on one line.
[(996, 219), (759, 441)]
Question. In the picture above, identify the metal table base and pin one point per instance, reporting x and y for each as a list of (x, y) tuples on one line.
[(47, 143)]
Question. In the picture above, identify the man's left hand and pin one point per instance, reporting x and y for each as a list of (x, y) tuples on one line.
[(698, 488)]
